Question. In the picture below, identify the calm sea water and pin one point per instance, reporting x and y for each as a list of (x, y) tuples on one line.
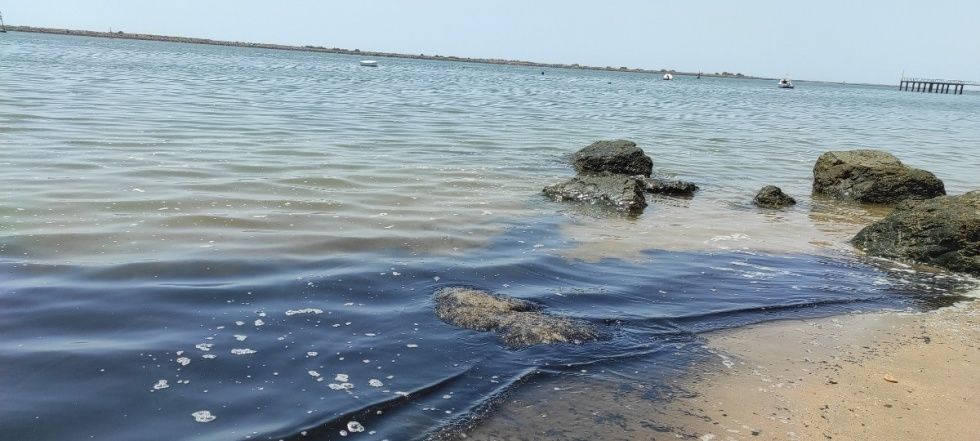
[(192, 228)]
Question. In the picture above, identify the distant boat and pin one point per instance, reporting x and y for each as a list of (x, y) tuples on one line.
[(3, 28), (668, 77), (785, 83), (369, 63)]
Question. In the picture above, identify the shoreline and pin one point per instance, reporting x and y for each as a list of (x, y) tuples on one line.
[(341, 51), (886, 375)]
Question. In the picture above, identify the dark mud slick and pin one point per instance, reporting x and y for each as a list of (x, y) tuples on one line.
[(309, 349)]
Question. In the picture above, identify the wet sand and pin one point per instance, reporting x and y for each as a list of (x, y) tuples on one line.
[(874, 376)]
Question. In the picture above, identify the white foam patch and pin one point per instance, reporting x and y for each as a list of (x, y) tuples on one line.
[(729, 237), (162, 384), (973, 293), (304, 311), (240, 337), (183, 361), (242, 351), (354, 427), (343, 378), (375, 383), (203, 416), (204, 346)]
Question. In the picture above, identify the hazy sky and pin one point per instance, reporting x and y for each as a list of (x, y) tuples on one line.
[(856, 41)]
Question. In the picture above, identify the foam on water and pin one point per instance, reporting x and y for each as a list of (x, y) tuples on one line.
[(203, 416)]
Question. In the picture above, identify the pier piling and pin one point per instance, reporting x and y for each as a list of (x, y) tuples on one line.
[(934, 85)]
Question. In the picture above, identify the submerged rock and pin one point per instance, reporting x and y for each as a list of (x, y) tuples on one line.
[(943, 231), (772, 196), (619, 157), (668, 187), (624, 193), (872, 176), (519, 322)]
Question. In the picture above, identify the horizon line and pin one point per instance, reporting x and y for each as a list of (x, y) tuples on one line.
[(375, 53)]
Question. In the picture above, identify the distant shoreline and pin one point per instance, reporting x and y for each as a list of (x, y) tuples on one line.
[(334, 50)]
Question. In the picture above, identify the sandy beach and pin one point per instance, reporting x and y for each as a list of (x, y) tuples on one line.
[(885, 376), (874, 376)]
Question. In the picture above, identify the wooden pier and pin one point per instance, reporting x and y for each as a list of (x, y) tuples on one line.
[(931, 85)]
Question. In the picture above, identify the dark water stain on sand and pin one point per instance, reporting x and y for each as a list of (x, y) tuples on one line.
[(313, 349)]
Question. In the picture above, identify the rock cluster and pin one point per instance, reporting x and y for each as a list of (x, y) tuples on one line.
[(872, 176), (926, 226), (615, 174), (519, 322)]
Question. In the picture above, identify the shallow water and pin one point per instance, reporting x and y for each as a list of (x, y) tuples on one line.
[(158, 194)]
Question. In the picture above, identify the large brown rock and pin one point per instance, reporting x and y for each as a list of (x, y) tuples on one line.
[(622, 192), (944, 232), (872, 176), (619, 157), (520, 323)]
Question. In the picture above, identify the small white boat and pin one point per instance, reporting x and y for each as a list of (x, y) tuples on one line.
[(785, 83), (369, 63), (668, 77)]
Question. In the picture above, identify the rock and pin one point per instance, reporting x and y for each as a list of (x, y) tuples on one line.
[(872, 176), (669, 188), (772, 196), (519, 322), (624, 193), (943, 231), (619, 157)]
